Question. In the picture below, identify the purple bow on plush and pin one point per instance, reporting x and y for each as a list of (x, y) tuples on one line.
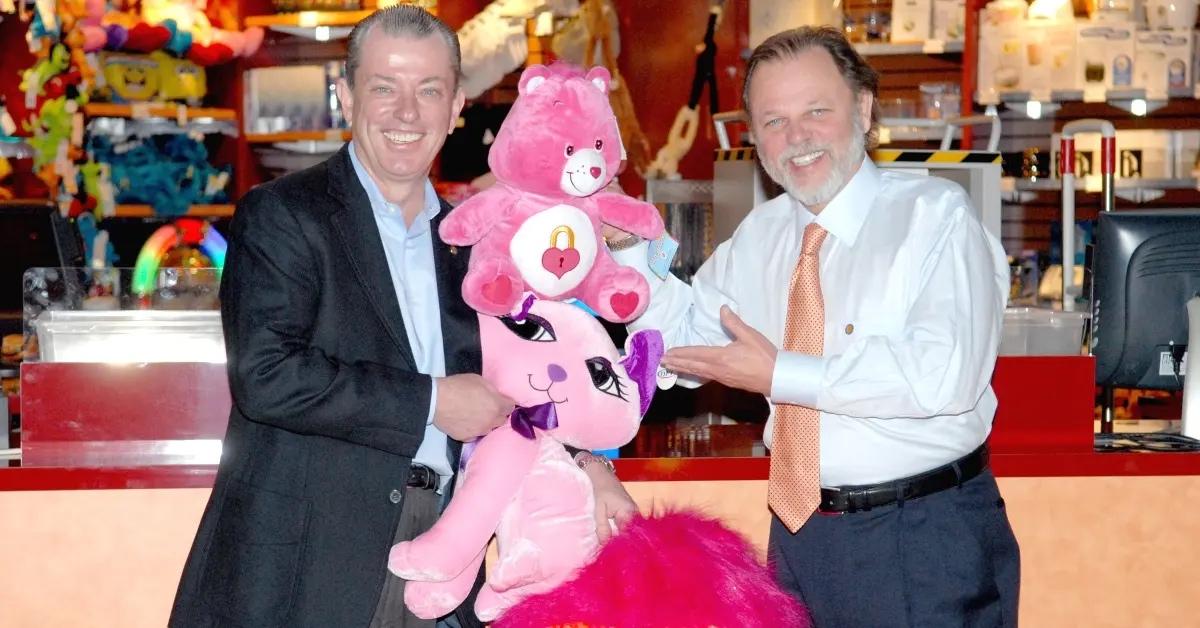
[(523, 421), (543, 417), (641, 363)]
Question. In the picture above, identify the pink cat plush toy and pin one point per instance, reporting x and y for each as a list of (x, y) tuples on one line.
[(538, 228), (520, 484)]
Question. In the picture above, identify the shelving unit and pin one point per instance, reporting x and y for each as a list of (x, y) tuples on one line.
[(156, 110), (927, 47), (317, 25), (331, 135), (196, 211)]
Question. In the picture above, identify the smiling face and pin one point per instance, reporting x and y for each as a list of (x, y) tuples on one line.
[(559, 354), (404, 103), (808, 125)]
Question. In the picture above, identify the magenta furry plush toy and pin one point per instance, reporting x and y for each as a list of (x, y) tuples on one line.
[(571, 386), (675, 569), (538, 228)]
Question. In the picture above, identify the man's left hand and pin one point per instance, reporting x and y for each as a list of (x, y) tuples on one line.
[(612, 502), (747, 363)]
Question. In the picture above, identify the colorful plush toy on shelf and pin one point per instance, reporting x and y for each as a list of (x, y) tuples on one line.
[(571, 386), (209, 46), (538, 228)]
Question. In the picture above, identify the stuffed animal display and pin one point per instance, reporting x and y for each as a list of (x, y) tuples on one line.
[(673, 569), (538, 228), (519, 483)]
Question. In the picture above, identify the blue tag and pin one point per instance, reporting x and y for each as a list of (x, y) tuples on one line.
[(583, 306), (611, 454), (661, 253)]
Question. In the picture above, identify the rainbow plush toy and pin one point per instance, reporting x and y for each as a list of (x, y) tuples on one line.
[(538, 228)]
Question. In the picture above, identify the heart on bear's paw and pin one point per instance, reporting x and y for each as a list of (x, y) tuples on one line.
[(624, 303), (560, 261), (498, 290)]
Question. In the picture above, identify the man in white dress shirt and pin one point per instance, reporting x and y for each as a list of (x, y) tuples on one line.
[(876, 350)]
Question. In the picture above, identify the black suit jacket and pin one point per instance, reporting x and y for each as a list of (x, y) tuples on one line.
[(328, 409)]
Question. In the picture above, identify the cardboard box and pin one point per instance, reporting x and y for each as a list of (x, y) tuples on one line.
[(1048, 58), (911, 20), (949, 19), (1150, 61), (1105, 55), (1001, 59), (1178, 51)]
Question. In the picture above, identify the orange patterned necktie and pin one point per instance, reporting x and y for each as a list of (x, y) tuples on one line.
[(794, 487)]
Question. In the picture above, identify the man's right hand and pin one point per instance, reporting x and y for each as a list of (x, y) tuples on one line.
[(469, 406)]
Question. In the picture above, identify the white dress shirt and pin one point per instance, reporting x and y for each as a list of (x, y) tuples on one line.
[(914, 289)]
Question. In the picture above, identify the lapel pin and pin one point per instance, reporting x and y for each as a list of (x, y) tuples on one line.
[(849, 328), (453, 250)]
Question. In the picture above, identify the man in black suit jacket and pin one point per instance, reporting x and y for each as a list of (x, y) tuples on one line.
[(330, 405)]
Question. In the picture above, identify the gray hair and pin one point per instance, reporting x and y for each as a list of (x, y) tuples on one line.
[(859, 75), (403, 20)]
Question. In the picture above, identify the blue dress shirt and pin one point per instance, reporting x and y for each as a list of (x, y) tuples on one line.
[(409, 251)]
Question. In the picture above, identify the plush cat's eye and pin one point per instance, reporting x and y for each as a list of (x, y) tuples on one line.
[(604, 378), (533, 328)]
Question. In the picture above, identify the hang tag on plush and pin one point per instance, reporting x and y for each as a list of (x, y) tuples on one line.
[(665, 379), (488, 137), (661, 253), (620, 141)]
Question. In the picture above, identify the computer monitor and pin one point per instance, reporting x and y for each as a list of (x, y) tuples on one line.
[(1146, 267), (31, 235)]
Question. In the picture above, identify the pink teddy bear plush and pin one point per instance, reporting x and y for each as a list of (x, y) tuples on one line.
[(538, 228), (571, 386)]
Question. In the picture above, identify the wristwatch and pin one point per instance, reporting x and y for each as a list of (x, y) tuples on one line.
[(624, 243), (585, 458)]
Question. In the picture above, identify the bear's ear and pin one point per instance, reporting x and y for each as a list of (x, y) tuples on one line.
[(600, 77), (532, 78)]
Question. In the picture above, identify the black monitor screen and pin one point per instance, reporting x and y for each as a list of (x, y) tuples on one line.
[(1146, 267), (32, 235)]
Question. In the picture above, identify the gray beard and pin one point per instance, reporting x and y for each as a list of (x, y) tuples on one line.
[(839, 174)]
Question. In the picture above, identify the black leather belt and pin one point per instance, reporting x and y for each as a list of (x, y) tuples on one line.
[(858, 498), (423, 477)]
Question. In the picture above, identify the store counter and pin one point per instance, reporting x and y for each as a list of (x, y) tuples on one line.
[(1106, 538)]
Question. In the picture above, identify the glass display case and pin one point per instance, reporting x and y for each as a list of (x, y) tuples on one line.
[(122, 367)]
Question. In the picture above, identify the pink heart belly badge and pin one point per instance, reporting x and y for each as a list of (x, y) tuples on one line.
[(560, 261)]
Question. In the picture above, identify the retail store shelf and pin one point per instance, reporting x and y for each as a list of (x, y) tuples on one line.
[(1111, 96), (931, 46), (318, 25), (330, 135), (197, 211), (1135, 190), (309, 19), (155, 110), (912, 129)]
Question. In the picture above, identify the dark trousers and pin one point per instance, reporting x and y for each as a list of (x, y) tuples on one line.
[(420, 511), (947, 559)]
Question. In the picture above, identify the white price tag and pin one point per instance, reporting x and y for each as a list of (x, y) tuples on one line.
[(1092, 183), (885, 135), (1040, 95), (1095, 93), (181, 115), (933, 47), (139, 110), (1166, 366), (666, 379)]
